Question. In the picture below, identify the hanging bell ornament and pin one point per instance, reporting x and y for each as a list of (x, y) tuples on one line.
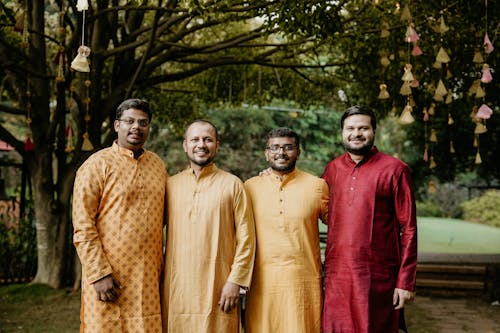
[(405, 89), (384, 60), (437, 65), (416, 51), (478, 158), (450, 119), (480, 93), (81, 63), (449, 99), (406, 118), (433, 136), (411, 35), (442, 56), (473, 88), (486, 74), (432, 163), (442, 26), (478, 57), (405, 14), (484, 112), (488, 45), (407, 76), (87, 145), (441, 89), (432, 109), (480, 128), (384, 94), (452, 148)]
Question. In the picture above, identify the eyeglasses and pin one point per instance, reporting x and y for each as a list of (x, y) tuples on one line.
[(131, 121), (277, 148)]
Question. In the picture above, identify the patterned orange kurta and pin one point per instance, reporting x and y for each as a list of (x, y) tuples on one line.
[(285, 295), (118, 215), (210, 240)]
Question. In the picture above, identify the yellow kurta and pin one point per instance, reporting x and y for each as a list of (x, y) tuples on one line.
[(118, 215), (210, 240), (286, 295)]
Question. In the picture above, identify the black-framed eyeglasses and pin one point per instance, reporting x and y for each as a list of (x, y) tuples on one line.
[(286, 148), (131, 121)]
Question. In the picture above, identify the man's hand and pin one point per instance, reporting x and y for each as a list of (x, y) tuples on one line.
[(266, 172), (402, 297), (107, 289), (229, 297)]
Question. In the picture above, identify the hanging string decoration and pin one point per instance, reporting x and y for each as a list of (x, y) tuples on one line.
[(81, 62), (87, 144)]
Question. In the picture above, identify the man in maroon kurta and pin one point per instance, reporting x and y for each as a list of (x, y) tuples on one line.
[(371, 249)]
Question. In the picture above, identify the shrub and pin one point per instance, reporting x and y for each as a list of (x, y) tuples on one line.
[(429, 209), (17, 251), (484, 209)]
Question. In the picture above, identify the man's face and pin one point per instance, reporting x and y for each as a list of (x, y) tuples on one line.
[(132, 129), (358, 134), (200, 144), (282, 153)]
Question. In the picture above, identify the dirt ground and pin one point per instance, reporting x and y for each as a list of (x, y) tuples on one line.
[(452, 315)]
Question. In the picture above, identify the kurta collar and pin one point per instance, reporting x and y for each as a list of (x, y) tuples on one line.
[(205, 171), (365, 159), (286, 178), (124, 151)]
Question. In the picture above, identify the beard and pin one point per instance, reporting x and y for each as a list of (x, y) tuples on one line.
[(282, 168), (358, 150)]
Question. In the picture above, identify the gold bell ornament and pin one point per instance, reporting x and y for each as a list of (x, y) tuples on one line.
[(407, 76), (405, 89), (478, 57)]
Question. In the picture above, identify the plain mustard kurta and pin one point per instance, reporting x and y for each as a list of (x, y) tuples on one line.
[(210, 240), (286, 294), (118, 216)]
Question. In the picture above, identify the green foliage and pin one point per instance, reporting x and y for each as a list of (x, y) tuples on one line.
[(429, 209), (484, 209), (17, 250), (242, 132)]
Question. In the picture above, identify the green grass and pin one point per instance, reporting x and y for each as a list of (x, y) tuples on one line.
[(34, 308), (442, 235)]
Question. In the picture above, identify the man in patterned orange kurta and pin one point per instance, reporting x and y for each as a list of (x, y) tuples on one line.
[(118, 216), (210, 241), (286, 291)]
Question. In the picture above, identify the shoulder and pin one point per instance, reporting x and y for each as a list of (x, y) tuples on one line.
[(99, 157), (390, 161)]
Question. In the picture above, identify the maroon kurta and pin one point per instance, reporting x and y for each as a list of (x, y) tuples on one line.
[(372, 243)]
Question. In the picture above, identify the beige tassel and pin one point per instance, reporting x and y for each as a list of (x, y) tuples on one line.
[(433, 136), (405, 14), (442, 26), (452, 148), (406, 118), (478, 57), (442, 56), (438, 98), (480, 93), (441, 89), (384, 94), (87, 145), (432, 109), (432, 163), (437, 65), (80, 63), (480, 128), (407, 76), (384, 60), (474, 86), (475, 143), (405, 89), (478, 158), (431, 187), (450, 119)]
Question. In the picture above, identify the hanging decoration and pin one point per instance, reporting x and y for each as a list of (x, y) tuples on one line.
[(60, 60), (28, 143), (69, 133), (81, 63), (87, 144)]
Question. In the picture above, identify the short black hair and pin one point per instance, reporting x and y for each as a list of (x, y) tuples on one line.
[(203, 121), (359, 109), (133, 103), (281, 132)]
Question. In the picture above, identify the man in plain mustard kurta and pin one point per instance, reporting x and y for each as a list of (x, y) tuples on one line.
[(286, 294), (210, 241), (118, 216)]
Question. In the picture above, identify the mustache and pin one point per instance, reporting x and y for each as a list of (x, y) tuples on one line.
[(283, 156)]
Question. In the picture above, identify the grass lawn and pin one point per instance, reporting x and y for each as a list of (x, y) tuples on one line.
[(33, 308), (443, 235)]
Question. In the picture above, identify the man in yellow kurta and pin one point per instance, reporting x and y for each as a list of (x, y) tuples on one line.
[(210, 241), (286, 295), (118, 216)]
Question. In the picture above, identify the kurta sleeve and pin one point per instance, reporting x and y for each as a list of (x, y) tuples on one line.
[(87, 194), (325, 195), (242, 267), (404, 204)]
